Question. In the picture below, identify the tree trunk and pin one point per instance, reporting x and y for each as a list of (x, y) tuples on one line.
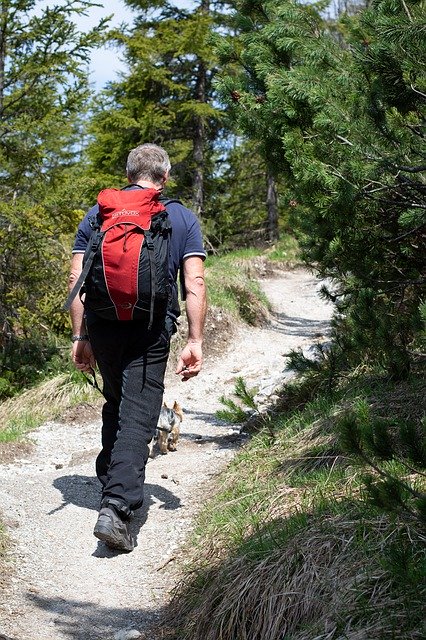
[(3, 23), (272, 208), (199, 129), (3, 26), (198, 146)]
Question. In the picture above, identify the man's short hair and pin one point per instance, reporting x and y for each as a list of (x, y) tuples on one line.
[(147, 162)]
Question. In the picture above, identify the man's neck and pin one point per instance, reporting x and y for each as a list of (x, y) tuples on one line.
[(146, 184)]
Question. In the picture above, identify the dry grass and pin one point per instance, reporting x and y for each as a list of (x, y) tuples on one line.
[(43, 402), (234, 288), (288, 549), (317, 587)]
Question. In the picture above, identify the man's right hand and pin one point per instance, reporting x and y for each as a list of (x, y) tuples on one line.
[(190, 361)]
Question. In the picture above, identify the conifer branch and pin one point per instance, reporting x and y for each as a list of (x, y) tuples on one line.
[(407, 11), (384, 474), (345, 140), (418, 169), (410, 468), (420, 93), (408, 233), (404, 202), (335, 172), (414, 129)]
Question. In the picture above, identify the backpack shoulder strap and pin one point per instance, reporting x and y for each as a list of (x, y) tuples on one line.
[(76, 288)]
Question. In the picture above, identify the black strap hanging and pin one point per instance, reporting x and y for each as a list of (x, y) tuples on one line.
[(153, 272)]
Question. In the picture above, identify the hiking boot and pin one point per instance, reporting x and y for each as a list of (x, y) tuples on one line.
[(112, 530)]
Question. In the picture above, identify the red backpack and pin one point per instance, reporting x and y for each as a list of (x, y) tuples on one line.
[(125, 272)]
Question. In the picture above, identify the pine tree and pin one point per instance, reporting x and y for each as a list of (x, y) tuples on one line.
[(166, 97), (43, 93), (43, 81), (389, 447), (340, 110)]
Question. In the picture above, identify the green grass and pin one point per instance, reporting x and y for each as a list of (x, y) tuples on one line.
[(286, 249), (232, 278), (293, 539), (45, 401), (234, 256), (233, 286), (17, 427)]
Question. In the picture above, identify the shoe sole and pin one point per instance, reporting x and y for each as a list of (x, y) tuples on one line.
[(107, 535)]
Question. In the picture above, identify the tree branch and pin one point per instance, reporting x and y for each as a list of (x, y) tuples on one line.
[(418, 169), (408, 233)]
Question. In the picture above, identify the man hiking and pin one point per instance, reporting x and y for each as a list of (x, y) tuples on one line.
[(125, 327)]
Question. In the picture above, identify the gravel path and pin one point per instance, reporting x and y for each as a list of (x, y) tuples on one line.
[(66, 584)]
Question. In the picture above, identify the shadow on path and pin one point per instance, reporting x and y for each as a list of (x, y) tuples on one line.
[(298, 326), (84, 492), (209, 419), (88, 621)]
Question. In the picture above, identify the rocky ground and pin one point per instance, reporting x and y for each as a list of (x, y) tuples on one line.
[(63, 582)]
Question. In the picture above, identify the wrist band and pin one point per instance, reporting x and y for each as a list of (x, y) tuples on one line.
[(84, 338)]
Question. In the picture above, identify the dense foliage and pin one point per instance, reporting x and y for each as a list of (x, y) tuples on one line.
[(43, 92), (166, 96), (340, 111), (269, 110), (340, 108)]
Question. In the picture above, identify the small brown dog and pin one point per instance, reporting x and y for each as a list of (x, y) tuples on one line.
[(168, 428)]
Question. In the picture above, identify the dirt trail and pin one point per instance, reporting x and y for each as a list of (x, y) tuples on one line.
[(66, 584)]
